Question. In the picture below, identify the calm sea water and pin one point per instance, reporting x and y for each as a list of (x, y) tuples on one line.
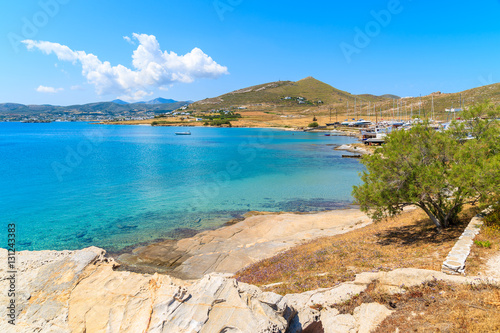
[(72, 185)]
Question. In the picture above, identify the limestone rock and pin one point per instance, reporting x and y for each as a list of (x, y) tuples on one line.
[(370, 315), (231, 248), (217, 304), (395, 281), (45, 280), (325, 296), (338, 323), (79, 291)]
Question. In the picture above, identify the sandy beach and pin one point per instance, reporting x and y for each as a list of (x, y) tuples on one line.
[(231, 248)]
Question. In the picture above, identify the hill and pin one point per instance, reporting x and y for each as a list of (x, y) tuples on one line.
[(108, 109), (311, 95), (390, 96), (296, 95), (296, 104), (119, 101), (161, 101)]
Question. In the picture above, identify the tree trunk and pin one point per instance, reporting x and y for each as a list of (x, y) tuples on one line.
[(431, 216)]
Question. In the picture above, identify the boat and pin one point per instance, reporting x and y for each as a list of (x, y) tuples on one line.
[(183, 133)]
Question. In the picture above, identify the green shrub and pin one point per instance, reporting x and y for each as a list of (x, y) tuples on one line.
[(486, 244), (314, 124), (492, 220), (220, 122)]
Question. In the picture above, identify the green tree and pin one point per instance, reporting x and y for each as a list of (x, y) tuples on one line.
[(314, 124), (479, 137), (437, 171)]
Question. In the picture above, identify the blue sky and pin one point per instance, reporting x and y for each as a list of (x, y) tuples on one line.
[(418, 48)]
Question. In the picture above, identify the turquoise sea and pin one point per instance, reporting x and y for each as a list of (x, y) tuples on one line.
[(72, 185)]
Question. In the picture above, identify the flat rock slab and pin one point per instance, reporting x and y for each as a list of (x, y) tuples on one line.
[(231, 248)]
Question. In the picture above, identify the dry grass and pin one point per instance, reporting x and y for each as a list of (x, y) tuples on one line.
[(434, 306), (490, 232), (409, 240), (438, 307)]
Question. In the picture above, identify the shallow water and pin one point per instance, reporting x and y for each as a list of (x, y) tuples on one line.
[(72, 185)]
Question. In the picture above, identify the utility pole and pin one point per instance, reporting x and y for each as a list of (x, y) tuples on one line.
[(419, 106), (432, 110), (461, 107), (399, 110), (393, 109), (355, 114), (406, 111)]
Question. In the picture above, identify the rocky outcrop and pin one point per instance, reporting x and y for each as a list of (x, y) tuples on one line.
[(80, 291), (45, 281), (231, 248), (354, 149), (367, 316)]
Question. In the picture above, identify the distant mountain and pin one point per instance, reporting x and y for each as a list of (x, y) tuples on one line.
[(119, 101), (161, 101), (109, 108)]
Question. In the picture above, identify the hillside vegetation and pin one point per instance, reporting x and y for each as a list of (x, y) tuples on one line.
[(267, 104), (310, 89)]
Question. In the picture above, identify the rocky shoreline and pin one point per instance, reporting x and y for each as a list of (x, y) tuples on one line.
[(87, 291), (354, 149), (80, 291), (233, 247)]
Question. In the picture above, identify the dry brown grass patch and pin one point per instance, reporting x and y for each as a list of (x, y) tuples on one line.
[(490, 232), (409, 240), (439, 307)]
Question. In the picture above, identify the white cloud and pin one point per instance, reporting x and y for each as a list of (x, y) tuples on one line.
[(77, 87), (49, 90), (129, 40), (153, 68)]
